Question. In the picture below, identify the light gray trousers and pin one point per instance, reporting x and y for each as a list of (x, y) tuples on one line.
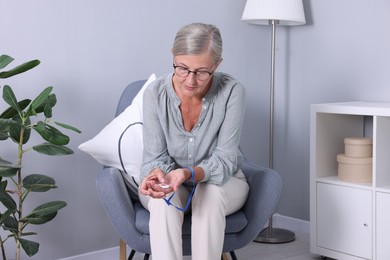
[(210, 205)]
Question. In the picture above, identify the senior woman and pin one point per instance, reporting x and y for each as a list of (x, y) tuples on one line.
[(192, 123)]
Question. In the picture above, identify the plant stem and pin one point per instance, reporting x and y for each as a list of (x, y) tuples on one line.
[(2, 248), (20, 192)]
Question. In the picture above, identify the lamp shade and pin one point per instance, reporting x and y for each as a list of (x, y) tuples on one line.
[(287, 12)]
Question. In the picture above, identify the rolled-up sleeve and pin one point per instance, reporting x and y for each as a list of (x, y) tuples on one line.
[(155, 154), (226, 158)]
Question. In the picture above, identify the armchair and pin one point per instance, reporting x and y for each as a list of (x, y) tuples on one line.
[(131, 221)]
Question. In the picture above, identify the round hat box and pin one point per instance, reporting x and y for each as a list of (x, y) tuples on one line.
[(358, 147), (358, 170)]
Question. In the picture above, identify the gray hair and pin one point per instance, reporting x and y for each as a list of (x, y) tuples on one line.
[(198, 38)]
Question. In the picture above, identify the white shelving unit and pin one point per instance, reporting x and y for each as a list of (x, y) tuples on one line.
[(349, 220)]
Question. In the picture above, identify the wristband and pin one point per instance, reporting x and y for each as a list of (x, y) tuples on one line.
[(192, 173), (168, 201)]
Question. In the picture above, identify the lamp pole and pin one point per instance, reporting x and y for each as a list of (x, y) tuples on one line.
[(273, 23), (274, 13), (270, 234)]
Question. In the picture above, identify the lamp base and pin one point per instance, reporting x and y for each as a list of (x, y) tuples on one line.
[(275, 236)]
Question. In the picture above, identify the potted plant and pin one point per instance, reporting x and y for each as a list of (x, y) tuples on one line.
[(17, 123)]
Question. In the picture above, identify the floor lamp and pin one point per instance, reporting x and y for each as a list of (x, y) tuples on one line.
[(274, 13)]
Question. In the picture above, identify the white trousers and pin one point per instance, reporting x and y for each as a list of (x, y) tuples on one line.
[(210, 205)]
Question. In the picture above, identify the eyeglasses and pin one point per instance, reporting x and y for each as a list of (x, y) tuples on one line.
[(168, 201), (199, 75)]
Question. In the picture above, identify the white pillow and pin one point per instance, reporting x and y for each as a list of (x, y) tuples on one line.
[(119, 144)]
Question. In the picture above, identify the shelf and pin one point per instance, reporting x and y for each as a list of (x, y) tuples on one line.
[(354, 108), (336, 181), (384, 189), (349, 220)]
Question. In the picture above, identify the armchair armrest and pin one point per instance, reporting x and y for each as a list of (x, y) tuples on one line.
[(265, 188), (119, 207)]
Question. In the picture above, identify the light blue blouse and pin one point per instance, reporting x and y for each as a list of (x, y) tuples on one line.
[(213, 142)]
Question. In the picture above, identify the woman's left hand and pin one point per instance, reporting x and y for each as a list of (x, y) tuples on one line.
[(176, 178)]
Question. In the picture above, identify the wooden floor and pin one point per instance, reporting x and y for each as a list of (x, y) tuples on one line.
[(299, 249), (296, 250)]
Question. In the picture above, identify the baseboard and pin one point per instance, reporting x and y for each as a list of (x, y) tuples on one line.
[(104, 254), (292, 224), (280, 221)]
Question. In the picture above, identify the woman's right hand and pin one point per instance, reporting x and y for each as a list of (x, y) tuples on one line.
[(154, 184)]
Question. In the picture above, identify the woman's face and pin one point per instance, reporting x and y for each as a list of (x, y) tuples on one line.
[(190, 85)]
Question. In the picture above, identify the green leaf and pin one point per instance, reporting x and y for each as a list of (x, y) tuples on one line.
[(3, 135), (47, 105), (5, 125), (39, 100), (16, 129), (20, 69), (5, 60), (69, 127), (51, 134), (11, 112), (38, 183), (10, 98), (52, 149), (3, 184), (47, 208), (6, 214), (51, 102), (7, 171), (10, 223), (30, 247), (6, 122), (6, 199), (39, 220), (29, 233)]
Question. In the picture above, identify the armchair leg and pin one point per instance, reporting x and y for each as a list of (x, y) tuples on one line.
[(122, 250), (224, 256), (132, 253), (233, 255)]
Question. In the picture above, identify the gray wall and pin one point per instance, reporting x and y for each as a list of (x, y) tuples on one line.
[(90, 50)]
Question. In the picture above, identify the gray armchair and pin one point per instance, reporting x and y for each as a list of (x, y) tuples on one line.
[(131, 220)]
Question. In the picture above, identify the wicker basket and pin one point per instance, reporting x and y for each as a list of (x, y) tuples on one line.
[(358, 170), (358, 147), (356, 164)]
